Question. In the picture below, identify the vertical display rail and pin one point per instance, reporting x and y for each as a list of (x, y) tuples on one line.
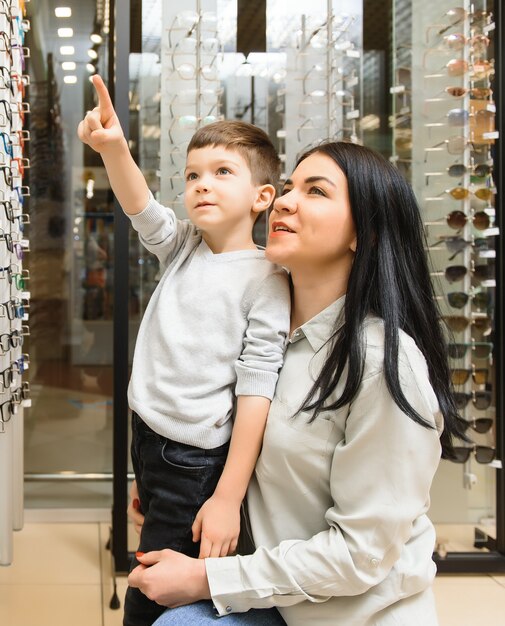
[(500, 272), (14, 293)]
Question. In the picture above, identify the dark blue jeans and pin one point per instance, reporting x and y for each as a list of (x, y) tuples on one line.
[(173, 480)]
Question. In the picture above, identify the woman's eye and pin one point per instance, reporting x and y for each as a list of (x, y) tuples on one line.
[(284, 191), (317, 191)]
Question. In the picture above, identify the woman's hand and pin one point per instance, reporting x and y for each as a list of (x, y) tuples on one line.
[(100, 128), (217, 526), (133, 509), (170, 578)]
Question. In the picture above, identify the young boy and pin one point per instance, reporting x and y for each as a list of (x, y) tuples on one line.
[(211, 340)]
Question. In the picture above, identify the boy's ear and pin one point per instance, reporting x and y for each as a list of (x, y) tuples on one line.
[(265, 195)]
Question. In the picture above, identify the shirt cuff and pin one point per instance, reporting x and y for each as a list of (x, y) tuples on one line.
[(252, 382), (226, 589)]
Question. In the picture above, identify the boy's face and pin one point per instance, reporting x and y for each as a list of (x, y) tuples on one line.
[(220, 195)]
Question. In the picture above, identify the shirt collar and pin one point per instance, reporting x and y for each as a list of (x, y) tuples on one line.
[(322, 326)]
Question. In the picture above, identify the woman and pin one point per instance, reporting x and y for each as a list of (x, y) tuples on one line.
[(362, 411)]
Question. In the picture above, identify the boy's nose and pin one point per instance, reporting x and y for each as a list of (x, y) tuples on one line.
[(202, 185)]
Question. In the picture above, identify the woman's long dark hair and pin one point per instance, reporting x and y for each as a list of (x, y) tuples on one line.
[(389, 278)]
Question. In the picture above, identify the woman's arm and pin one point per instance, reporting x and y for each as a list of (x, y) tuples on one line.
[(380, 479)]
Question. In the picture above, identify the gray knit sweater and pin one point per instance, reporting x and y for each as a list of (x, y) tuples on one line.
[(215, 327)]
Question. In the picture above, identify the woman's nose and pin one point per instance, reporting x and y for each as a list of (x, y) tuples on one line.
[(285, 203)]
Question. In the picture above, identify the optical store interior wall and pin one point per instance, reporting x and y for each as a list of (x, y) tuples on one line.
[(414, 79)]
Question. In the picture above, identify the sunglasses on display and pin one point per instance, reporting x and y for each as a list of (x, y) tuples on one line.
[(455, 245), (459, 323), (480, 425), (458, 170), (460, 376), (455, 273), (481, 400), (483, 454), (479, 350), (457, 15), (459, 299), (458, 220)]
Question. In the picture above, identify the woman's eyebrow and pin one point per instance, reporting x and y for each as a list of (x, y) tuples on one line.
[(315, 179)]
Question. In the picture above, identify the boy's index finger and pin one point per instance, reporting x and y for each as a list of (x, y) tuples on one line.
[(104, 100)]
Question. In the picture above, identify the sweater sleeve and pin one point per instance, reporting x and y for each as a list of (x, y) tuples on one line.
[(380, 479), (265, 338), (160, 231)]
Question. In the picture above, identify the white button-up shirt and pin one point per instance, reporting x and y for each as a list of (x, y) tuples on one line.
[(338, 506)]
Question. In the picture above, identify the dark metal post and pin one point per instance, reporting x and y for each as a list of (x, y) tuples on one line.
[(498, 173), (120, 27)]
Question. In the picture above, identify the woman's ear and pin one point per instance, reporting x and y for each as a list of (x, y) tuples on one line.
[(353, 244), (265, 195)]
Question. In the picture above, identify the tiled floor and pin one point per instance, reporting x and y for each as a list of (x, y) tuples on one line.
[(61, 577)]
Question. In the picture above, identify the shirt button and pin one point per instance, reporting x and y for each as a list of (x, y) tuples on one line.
[(374, 562), (228, 609)]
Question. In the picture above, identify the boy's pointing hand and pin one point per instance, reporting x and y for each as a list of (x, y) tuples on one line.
[(100, 128)]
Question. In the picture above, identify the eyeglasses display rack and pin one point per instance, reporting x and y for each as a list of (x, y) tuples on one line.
[(14, 280), (444, 136)]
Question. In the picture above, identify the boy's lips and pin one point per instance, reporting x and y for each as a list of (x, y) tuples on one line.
[(204, 204)]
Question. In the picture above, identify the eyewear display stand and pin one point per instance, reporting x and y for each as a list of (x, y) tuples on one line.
[(445, 140), (14, 293)]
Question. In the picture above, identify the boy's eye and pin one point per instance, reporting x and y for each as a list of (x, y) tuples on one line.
[(223, 170), (191, 176)]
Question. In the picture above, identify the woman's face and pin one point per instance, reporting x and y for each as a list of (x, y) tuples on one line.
[(311, 226)]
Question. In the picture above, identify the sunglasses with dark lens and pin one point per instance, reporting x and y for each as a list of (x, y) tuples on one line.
[(459, 376), (455, 273), (457, 219), (459, 323), (481, 400), (483, 454), (480, 425), (480, 350), (458, 299)]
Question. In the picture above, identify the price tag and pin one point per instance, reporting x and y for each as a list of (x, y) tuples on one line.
[(487, 254), (488, 28), (26, 295), (491, 282), (491, 107), (397, 89), (491, 232), (496, 463), (352, 82), (352, 115), (353, 54), (25, 317), (494, 135), (24, 243), (26, 403)]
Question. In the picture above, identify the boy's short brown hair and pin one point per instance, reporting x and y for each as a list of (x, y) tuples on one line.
[(252, 143)]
